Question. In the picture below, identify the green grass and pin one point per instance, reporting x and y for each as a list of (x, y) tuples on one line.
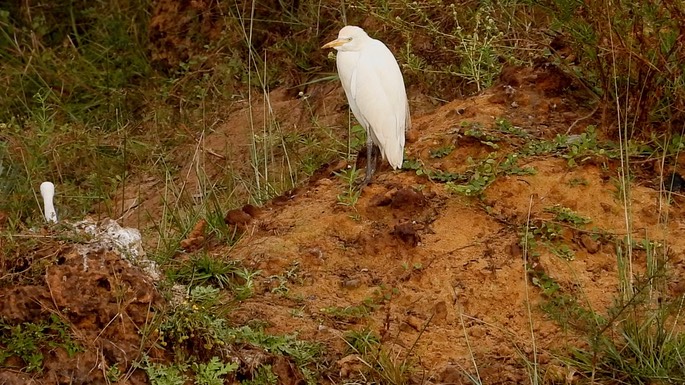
[(30, 341)]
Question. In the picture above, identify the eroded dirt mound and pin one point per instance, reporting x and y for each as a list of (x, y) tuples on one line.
[(103, 300), (442, 277)]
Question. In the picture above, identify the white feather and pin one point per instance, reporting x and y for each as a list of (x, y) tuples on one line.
[(47, 191), (375, 90)]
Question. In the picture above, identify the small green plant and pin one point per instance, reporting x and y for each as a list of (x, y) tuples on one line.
[(264, 375), (363, 341), (29, 340), (210, 270), (479, 45), (575, 182), (622, 189), (547, 284), (482, 174), (212, 372), (564, 214), (113, 373), (195, 326), (562, 251), (477, 132), (351, 195), (348, 313), (442, 151), (509, 166), (412, 164), (161, 374), (636, 340), (380, 364), (505, 126), (289, 276), (305, 355), (357, 139)]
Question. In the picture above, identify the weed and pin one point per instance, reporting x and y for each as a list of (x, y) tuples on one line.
[(546, 283), (352, 193), (210, 270), (217, 226), (564, 214), (442, 151), (364, 341), (562, 251), (484, 172), (289, 276), (305, 355), (195, 326), (357, 139), (575, 182), (113, 373), (622, 190), (160, 374), (476, 131), (29, 340), (412, 164), (212, 372), (443, 176), (612, 61), (381, 365), (506, 127), (264, 375), (349, 313)]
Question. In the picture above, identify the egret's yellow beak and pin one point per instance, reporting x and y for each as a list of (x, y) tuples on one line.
[(335, 43)]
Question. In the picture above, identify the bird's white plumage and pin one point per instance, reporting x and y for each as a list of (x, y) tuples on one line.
[(375, 90), (47, 191)]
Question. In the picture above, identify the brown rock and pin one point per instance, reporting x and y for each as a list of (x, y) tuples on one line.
[(407, 233), (440, 313), (237, 217), (252, 210), (592, 246), (407, 198), (415, 323), (196, 236)]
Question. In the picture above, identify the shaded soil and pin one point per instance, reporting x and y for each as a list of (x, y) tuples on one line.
[(442, 277), (103, 299)]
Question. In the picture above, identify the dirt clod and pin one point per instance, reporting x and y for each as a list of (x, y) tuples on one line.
[(408, 199), (251, 210), (591, 245), (196, 237), (407, 233), (237, 217)]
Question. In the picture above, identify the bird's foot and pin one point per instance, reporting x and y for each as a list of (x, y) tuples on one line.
[(365, 182)]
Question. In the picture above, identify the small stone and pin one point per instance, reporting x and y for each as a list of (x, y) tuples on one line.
[(414, 322), (440, 311), (351, 283), (592, 246)]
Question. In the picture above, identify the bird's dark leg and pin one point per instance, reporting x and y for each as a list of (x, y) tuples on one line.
[(372, 153)]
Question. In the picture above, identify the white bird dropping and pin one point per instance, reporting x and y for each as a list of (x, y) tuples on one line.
[(47, 191)]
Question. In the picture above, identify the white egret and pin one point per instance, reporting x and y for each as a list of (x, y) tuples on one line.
[(47, 191), (374, 87)]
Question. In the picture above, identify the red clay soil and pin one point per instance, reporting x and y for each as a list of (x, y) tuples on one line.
[(442, 276)]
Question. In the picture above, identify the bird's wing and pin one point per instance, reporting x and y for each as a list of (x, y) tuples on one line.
[(381, 99), (346, 62)]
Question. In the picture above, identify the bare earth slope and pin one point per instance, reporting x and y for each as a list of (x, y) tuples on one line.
[(442, 275), (423, 258)]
